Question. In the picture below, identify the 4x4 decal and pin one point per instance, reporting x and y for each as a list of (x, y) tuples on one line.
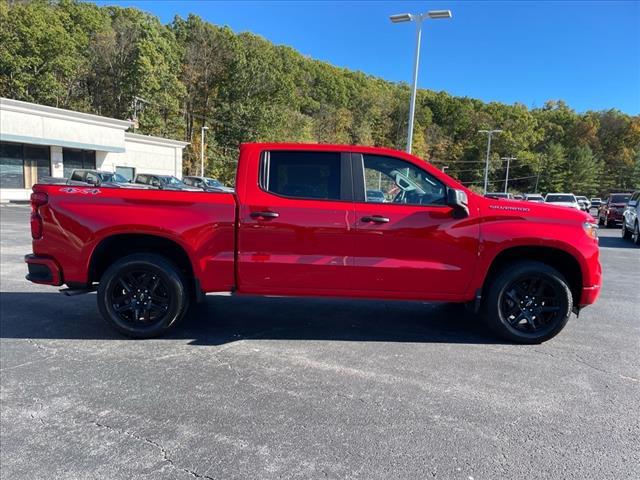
[(86, 191)]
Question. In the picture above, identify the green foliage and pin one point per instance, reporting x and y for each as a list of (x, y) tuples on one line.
[(175, 78)]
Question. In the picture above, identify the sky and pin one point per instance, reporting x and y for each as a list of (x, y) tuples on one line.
[(586, 53)]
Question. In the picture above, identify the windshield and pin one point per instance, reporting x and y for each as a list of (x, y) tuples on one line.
[(171, 181), (620, 198), (561, 198), (212, 182)]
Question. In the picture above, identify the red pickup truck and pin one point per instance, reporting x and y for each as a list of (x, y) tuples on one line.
[(317, 220)]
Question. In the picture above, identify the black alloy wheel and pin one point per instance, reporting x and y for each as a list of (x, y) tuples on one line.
[(142, 295), (527, 302), (532, 303)]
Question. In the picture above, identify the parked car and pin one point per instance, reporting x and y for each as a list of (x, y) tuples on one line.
[(206, 183), (533, 197), (518, 196), (584, 203), (595, 202), (299, 224), (163, 182), (562, 199), (610, 212), (81, 176), (376, 196), (631, 220), (497, 195)]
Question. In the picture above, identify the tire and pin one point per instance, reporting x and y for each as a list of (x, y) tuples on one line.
[(626, 234), (536, 318), (143, 296), (600, 222), (636, 234)]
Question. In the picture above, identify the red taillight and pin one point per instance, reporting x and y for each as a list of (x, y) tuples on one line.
[(38, 199)]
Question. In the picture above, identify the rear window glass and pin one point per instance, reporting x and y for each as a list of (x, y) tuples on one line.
[(620, 198), (312, 175), (560, 198)]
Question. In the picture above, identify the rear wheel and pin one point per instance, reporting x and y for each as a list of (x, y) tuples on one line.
[(528, 302), (142, 295)]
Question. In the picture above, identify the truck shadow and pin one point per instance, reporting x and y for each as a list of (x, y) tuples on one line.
[(615, 242), (222, 320)]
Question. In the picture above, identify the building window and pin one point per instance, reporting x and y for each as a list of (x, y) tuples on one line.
[(127, 172), (73, 159), (22, 165), (11, 166)]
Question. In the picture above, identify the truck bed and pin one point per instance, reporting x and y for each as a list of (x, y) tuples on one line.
[(76, 219)]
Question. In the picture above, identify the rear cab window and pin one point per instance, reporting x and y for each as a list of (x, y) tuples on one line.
[(310, 175)]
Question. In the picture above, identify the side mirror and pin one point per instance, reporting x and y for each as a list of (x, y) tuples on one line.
[(457, 199)]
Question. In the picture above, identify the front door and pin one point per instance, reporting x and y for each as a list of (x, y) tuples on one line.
[(296, 226), (409, 243)]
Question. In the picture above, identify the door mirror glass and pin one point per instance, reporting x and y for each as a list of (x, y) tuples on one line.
[(457, 199)]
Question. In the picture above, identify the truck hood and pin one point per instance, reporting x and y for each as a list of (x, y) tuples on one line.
[(543, 212)]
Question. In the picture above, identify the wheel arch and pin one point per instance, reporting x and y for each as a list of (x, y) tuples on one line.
[(557, 258), (119, 245)]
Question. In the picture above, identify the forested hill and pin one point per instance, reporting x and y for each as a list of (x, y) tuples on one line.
[(124, 63)]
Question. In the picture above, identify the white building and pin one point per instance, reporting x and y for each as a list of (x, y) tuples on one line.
[(38, 141)]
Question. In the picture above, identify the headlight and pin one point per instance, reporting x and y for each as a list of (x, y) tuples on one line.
[(591, 229)]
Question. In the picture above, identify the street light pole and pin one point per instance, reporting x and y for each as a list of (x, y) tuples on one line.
[(506, 178), (486, 167), (202, 130), (418, 18)]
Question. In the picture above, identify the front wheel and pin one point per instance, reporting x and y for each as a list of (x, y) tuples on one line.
[(626, 234), (142, 295), (528, 302), (636, 233)]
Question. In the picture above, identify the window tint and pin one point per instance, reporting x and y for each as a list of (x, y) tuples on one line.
[(313, 175), (390, 180), (76, 175)]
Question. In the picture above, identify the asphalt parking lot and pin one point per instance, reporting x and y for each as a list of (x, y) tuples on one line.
[(280, 388)]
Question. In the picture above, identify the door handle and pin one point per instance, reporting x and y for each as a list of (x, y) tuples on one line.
[(264, 214), (375, 219)]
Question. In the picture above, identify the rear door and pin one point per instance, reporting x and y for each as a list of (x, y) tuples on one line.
[(409, 244), (295, 233)]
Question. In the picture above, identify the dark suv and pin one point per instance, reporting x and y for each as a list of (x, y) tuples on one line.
[(610, 212), (630, 219), (163, 182)]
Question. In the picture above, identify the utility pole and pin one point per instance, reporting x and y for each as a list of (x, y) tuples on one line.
[(486, 167), (506, 178), (538, 176), (202, 130)]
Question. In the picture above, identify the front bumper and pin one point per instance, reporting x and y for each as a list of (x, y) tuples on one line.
[(589, 295), (43, 270)]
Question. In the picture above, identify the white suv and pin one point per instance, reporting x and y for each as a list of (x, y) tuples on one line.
[(563, 199)]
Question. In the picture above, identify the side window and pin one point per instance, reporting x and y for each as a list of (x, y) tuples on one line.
[(391, 180), (300, 174), (92, 178), (77, 175), (141, 179), (187, 181)]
